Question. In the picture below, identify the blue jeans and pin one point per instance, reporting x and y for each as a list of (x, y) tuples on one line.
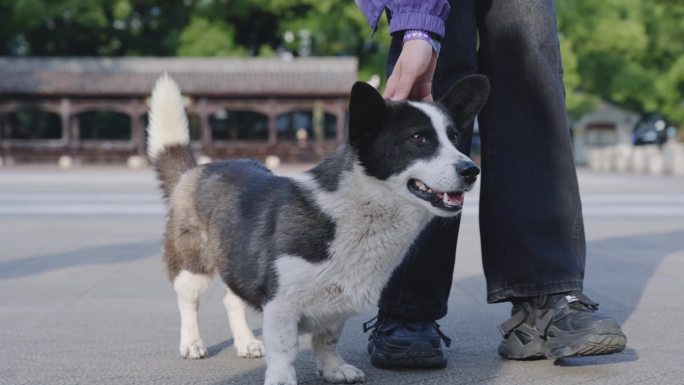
[(531, 225)]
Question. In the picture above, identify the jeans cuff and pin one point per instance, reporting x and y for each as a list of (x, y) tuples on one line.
[(403, 311), (517, 291)]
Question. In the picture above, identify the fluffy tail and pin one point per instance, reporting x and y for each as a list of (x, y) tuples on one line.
[(168, 142)]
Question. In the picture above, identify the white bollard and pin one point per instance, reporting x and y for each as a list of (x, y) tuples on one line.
[(203, 159), (607, 159), (136, 162), (671, 150), (595, 161), (622, 157), (639, 159), (656, 164), (65, 162), (678, 163), (272, 162)]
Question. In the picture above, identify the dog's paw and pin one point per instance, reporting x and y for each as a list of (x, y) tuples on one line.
[(250, 348), (193, 350), (343, 374), (283, 376)]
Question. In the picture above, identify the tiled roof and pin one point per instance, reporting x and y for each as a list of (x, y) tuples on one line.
[(196, 76)]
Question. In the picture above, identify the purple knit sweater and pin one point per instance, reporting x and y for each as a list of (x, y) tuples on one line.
[(427, 15)]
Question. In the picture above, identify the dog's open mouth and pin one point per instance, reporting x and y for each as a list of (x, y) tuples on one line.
[(449, 201)]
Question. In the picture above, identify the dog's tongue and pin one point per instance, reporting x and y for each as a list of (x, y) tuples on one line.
[(454, 198), (451, 199)]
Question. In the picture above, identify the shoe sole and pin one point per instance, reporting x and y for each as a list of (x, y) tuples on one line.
[(595, 345), (591, 345), (417, 356)]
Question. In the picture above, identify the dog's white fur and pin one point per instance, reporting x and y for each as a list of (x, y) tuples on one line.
[(168, 124), (369, 240), (373, 221), (438, 173), (189, 287), (245, 343)]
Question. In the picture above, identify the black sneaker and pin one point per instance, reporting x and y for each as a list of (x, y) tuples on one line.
[(396, 343), (557, 326)]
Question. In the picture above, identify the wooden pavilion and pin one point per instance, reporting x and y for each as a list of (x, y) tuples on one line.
[(95, 109)]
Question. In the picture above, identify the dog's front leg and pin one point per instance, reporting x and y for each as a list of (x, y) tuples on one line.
[(281, 340), (330, 364)]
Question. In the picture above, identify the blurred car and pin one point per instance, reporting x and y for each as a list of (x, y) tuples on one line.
[(651, 129)]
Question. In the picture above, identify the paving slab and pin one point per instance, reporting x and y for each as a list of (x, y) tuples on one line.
[(84, 298)]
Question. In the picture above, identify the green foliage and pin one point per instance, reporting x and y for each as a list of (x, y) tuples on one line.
[(672, 88), (577, 102), (629, 52), (90, 27), (205, 38)]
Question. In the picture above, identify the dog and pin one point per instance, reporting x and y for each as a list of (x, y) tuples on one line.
[(312, 250)]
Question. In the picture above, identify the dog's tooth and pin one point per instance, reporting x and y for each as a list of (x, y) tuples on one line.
[(445, 198)]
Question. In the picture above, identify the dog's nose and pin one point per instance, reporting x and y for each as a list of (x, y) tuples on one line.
[(469, 171)]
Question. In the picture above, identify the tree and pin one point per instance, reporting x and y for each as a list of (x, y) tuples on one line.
[(91, 27), (205, 38), (627, 52)]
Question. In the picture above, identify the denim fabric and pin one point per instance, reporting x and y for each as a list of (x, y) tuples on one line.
[(531, 225)]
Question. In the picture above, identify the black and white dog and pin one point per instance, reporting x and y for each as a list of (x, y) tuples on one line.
[(316, 249)]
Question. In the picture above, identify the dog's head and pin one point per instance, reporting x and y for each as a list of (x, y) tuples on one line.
[(411, 146)]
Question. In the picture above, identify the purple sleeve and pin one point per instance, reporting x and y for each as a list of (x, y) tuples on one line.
[(428, 15)]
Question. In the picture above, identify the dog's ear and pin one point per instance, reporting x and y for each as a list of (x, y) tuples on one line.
[(367, 109), (466, 98)]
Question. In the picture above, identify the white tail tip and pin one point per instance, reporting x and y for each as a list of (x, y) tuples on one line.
[(168, 124)]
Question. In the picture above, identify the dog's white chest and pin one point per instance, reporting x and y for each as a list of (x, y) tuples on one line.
[(363, 254)]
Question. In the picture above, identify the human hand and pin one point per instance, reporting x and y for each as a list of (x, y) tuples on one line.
[(412, 74)]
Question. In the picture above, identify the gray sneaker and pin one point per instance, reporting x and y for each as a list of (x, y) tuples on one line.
[(557, 326)]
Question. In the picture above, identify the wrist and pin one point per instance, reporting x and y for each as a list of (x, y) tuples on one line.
[(416, 34)]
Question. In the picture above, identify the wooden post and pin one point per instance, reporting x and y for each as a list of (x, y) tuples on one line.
[(74, 132), (137, 130), (65, 116), (341, 115), (272, 123), (205, 129), (3, 134)]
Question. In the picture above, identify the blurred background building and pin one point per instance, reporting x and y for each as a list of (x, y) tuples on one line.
[(95, 109), (271, 78)]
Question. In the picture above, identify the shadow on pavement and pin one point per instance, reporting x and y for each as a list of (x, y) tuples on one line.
[(215, 349), (619, 269), (99, 255)]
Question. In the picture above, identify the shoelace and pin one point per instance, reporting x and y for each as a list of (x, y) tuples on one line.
[(374, 322)]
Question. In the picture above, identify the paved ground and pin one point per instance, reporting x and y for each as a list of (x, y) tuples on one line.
[(84, 298)]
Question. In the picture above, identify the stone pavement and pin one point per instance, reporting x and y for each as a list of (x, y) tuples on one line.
[(84, 298)]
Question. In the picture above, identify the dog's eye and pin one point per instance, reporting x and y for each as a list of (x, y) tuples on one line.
[(420, 138), (453, 136)]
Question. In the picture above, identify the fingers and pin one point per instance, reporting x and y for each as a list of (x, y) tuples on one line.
[(392, 81), (404, 86), (412, 74)]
